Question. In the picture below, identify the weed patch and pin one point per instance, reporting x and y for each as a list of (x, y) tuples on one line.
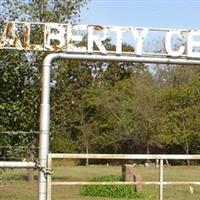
[(115, 191)]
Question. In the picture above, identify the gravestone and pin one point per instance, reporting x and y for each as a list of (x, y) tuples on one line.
[(138, 187), (129, 175), (127, 172)]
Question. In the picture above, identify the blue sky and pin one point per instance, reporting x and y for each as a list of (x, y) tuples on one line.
[(183, 14)]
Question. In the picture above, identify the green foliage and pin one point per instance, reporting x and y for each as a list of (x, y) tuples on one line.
[(19, 93), (180, 106), (62, 144), (18, 145), (96, 107), (20, 72), (43, 11), (116, 191)]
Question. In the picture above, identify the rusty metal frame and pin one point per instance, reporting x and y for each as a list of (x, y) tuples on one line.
[(12, 39), (161, 183)]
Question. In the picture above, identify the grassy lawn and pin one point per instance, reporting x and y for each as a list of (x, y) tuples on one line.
[(13, 184)]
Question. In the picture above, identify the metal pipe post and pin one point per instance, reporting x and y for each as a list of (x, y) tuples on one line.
[(44, 127), (161, 180), (49, 179)]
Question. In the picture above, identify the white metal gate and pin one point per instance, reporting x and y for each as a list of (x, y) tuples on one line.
[(160, 183)]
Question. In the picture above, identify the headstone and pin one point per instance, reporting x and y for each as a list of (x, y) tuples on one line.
[(138, 187), (191, 190), (127, 172), (157, 163), (146, 164)]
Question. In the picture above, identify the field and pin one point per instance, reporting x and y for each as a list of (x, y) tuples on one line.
[(13, 184)]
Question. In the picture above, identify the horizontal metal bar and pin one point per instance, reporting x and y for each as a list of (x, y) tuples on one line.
[(18, 147), (126, 156), (106, 183), (121, 58), (19, 132), (12, 158), (12, 164), (144, 54), (128, 183), (181, 183), (147, 57)]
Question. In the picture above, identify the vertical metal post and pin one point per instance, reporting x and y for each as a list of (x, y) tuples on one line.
[(44, 128), (161, 180), (49, 178)]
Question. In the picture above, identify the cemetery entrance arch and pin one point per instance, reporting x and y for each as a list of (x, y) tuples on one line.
[(65, 39)]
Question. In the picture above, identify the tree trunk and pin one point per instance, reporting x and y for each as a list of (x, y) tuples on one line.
[(85, 138), (86, 142), (187, 152), (188, 161), (148, 152), (87, 152)]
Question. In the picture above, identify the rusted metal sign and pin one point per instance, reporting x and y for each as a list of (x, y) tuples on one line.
[(91, 39)]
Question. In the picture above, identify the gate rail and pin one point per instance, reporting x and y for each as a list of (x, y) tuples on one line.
[(17, 164), (159, 157)]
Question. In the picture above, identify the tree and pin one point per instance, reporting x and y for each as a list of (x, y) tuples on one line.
[(41, 11), (180, 109), (118, 110), (20, 71), (146, 92), (81, 88)]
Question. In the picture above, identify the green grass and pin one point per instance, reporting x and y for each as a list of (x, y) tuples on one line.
[(13, 185)]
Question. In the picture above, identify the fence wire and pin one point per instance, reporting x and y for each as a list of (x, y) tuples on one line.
[(19, 145)]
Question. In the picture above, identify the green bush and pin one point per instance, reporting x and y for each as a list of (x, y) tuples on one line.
[(115, 191)]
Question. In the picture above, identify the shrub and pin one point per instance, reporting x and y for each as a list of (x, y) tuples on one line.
[(115, 191)]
